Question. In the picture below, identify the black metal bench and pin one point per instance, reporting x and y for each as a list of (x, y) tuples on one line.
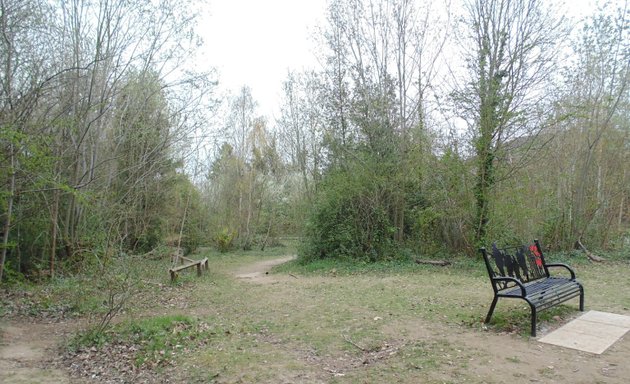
[(522, 273)]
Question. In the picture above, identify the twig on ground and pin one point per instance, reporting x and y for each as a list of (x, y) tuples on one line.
[(347, 339)]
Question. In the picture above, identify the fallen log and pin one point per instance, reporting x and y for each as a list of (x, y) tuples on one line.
[(588, 253), (441, 263)]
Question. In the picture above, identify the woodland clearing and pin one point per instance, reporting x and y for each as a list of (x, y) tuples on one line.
[(246, 321)]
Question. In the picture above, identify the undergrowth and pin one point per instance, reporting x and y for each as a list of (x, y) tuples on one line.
[(408, 265), (151, 340)]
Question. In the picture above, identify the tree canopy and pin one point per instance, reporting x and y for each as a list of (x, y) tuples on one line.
[(429, 128)]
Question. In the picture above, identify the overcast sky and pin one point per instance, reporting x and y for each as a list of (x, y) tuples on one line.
[(255, 42)]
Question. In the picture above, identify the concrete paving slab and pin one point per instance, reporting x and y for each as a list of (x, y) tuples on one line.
[(585, 327), (592, 332), (607, 318)]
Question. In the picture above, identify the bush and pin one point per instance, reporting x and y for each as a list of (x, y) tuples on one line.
[(350, 220), (224, 240)]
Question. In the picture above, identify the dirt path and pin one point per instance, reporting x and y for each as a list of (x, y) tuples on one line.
[(26, 352), (259, 272), (27, 349)]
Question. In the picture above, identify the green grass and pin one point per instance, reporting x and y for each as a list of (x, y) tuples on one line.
[(160, 337), (329, 321), (391, 267), (462, 294)]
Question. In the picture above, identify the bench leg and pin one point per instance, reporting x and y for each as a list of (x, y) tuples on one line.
[(534, 318), (582, 299), (489, 315)]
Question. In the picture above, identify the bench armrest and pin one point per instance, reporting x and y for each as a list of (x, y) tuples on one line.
[(496, 280), (562, 265)]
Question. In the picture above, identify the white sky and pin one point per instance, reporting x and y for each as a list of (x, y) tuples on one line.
[(255, 42)]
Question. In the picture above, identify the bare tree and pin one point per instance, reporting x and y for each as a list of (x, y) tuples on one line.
[(510, 50), (239, 177), (67, 74), (596, 102), (24, 29), (302, 125)]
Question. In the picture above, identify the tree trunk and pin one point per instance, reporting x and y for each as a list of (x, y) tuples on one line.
[(482, 191), (53, 231), (7, 221), (181, 228)]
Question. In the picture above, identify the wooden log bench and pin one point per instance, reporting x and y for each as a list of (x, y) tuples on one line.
[(521, 273), (200, 264)]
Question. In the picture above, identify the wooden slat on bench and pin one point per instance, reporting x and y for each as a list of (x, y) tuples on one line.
[(184, 266), (184, 258)]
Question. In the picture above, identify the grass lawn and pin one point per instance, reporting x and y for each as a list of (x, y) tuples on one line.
[(400, 322), (342, 323)]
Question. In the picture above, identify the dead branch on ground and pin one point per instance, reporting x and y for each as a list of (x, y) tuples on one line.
[(441, 263), (589, 254), (347, 339)]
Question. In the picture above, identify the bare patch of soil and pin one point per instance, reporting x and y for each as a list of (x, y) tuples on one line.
[(28, 351), (491, 357), (259, 272), (527, 359)]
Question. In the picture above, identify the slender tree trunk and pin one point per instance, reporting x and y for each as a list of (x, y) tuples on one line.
[(53, 232), (6, 227), (250, 208), (621, 206), (483, 187), (181, 227), (482, 202), (8, 85)]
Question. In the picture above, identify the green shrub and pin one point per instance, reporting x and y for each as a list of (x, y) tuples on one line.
[(350, 220), (224, 240)]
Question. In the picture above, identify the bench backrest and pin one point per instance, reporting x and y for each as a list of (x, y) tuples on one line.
[(524, 262)]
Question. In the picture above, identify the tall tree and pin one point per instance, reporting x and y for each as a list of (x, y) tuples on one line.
[(596, 102), (240, 178), (24, 32), (141, 145), (301, 125), (511, 57), (65, 67), (379, 68)]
